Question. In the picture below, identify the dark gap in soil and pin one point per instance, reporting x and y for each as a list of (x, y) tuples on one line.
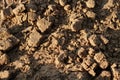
[(13, 75)]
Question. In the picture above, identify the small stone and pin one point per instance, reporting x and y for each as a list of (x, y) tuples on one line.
[(3, 59), (90, 14), (20, 8), (115, 71), (43, 24), (99, 57), (104, 64), (94, 41), (4, 74), (62, 2), (32, 16), (34, 38), (7, 41), (67, 7), (76, 25), (90, 3), (105, 40), (101, 60), (104, 75)]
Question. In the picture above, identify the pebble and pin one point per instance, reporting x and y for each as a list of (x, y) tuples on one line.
[(90, 14), (34, 38), (62, 2), (90, 3), (4, 74), (43, 24), (3, 58), (67, 7)]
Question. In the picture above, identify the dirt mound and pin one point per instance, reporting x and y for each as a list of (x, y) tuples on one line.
[(59, 39)]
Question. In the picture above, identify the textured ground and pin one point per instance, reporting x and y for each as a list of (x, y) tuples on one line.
[(59, 39)]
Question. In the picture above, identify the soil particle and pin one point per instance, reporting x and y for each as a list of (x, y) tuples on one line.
[(101, 60), (90, 3), (31, 17), (105, 40), (4, 75), (89, 65), (59, 39), (34, 38), (67, 7), (62, 2), (43, 24), (7, 41), (90, 14), (3, 58), (115, 71), (94, 40)]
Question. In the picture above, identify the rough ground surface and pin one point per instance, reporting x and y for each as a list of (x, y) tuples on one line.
[(59, 39)]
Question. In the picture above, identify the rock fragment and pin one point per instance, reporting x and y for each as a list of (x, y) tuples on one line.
[(116, 71), (20, 8), (89, 65), (90, 14), (43, 24), (101, 60), (4, 74), (34, 38), (7, 41), (31, 17), (94, 40), (3, 59), (62, 2), (105, 40), (67, 7), (90, 3)]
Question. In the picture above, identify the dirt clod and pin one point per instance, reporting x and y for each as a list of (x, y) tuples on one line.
[(7, 41), (90, 3), (43, 24), (59, 39), (34, 38), (4, 74)]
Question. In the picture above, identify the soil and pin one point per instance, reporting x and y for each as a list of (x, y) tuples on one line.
[(59, 39)]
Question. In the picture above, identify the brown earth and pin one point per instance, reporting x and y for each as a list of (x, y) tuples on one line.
[(59, 39)]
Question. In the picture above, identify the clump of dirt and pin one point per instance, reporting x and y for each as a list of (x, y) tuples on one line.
[(59, 39)]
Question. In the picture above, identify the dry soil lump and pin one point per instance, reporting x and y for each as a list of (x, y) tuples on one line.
[(3, 58), (43, 24), (7, 41), (101, 60), (34, 38), (90, 3)]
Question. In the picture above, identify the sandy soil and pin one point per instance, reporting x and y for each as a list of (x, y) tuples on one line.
[(59, 39)]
